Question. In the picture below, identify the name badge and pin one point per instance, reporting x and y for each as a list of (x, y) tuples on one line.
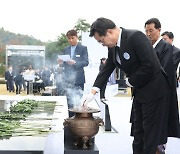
[(77, 55)]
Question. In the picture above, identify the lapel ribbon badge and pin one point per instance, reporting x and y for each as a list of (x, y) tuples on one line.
[(126, 55)]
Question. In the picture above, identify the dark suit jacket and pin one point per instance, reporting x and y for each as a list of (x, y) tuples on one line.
[(6, 75), (75, 73), (176, 57), (140, 63), (164, 52), (10, 79), (9, 76)]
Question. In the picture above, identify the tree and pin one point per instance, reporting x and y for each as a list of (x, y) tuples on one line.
[(55, 48), (62, 42), (81, 26), (51, 50)]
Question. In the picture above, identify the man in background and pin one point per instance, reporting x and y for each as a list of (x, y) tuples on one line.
[(164, 53), (9, 78), (73, 69), (18, 80), (169, 37)]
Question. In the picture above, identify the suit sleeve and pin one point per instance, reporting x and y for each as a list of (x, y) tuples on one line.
[(176, 57), (146, 58)]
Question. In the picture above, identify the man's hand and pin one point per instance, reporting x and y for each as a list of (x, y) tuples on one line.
[(71, 62), (60, 61), (88, 98)]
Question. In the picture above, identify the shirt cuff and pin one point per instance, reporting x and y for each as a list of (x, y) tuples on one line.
[(96, 89), (128, 84)]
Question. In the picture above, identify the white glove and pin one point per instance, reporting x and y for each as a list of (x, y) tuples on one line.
[(88, 98)]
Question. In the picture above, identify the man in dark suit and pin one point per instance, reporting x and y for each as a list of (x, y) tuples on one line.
[(18, 79), (6, 77), (164, 52), (9, 77), (73, 68), (131, 51), (169, 37)]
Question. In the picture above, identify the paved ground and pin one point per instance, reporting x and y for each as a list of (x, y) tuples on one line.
[(3, 91), (120, 143)]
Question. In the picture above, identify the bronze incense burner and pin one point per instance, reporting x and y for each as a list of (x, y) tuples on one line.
[(83, 126)]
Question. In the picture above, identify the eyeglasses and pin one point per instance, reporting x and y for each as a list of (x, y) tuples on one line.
[(101, 37), (102, 40)]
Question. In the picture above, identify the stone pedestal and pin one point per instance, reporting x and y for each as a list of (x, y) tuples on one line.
[(70, 148)]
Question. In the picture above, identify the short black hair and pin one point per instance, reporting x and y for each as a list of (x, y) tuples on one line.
[(71, 32), (103, 58), (154, 21), (169, 34), (101, 25)]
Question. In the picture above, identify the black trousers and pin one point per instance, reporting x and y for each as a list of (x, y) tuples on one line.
[(150, 125), (7, 87), (18, 87), (10, 85)]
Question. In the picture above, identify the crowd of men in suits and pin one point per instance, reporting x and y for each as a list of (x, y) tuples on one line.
[(18, 79)]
